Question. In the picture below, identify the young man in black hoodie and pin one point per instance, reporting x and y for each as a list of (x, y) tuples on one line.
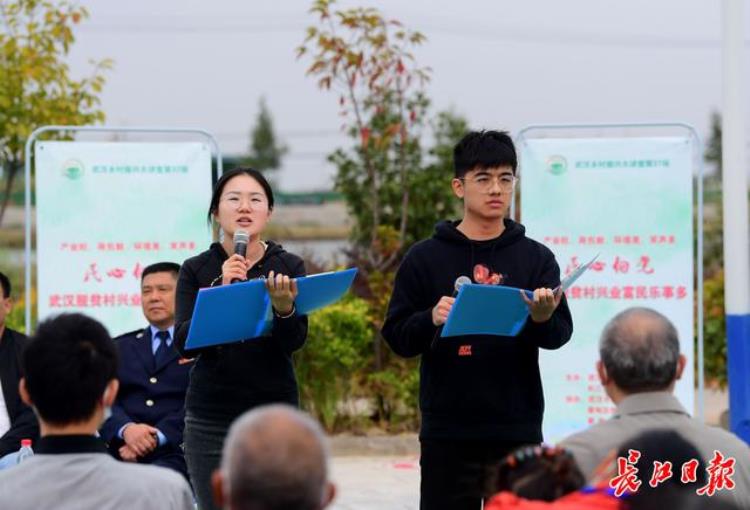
[(480, 395)]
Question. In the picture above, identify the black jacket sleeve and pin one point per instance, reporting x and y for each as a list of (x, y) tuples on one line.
[(23, 426), (186, 295), (172, 426), (555, 332), (408, 326), (23, 422), (290, 332), (112, 426)]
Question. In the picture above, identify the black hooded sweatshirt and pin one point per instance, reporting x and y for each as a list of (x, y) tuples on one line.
[(230, 379), (475, 387)]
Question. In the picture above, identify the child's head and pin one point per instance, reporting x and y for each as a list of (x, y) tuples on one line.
[(538, 472)]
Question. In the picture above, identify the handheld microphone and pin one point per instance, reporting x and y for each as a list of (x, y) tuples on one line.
[(460, 282), (241, 238)]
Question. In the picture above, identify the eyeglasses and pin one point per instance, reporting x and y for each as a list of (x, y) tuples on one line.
[(484, 182), (235, 201)]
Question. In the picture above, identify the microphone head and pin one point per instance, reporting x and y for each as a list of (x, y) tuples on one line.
[(460, 282), (241, 236)]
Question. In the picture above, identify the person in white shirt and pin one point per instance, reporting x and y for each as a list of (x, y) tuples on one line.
[(70, 370), (17, 420)]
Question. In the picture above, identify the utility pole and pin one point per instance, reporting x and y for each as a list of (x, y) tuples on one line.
[(736, 247)]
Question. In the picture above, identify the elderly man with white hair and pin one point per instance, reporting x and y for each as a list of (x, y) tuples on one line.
[(640, 362), (275, 458)]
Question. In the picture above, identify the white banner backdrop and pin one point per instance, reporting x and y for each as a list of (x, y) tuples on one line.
[(107, 210), (631, 201)]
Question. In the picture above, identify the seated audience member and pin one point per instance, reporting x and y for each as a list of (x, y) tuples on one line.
[(640, 362), (70, 369), (274, 458), (540, 477), (148, 416), (662, 446), (17, 420)]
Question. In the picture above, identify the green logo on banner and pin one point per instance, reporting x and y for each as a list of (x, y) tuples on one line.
[(557, 165), (73, 169)]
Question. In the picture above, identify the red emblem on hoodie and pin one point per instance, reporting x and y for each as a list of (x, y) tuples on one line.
[(464, 350), (483, 275)]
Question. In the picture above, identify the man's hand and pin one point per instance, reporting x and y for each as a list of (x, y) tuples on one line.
[(442, 309), (543, 303), (128, 454), (141, 438)]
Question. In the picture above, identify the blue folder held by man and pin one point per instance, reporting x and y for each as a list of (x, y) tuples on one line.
[(495, 309)]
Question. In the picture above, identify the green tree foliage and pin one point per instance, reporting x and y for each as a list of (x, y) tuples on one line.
[(395, 177), (334, 358), (36, 88), (713, 228), (715, 335), (712, 154), (713, 236), (388, 178), (265, 151), (427, 191), (714, 338)]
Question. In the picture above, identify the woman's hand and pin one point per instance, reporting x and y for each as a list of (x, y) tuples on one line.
[(234, 268), (283, 291)]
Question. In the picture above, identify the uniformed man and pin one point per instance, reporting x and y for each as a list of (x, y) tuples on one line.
[(148, 416)]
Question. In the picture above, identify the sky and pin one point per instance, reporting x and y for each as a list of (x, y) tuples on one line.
[(501, 64)]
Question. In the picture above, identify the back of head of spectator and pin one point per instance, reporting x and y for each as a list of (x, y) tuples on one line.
[(639, 352), (70, 374), (538, 473), (640, 363), (274, 458)]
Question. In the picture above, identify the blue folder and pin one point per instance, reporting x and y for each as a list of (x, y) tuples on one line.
[(323, 289), (228, 314), (487, 310), (232, 313), (495, 309)]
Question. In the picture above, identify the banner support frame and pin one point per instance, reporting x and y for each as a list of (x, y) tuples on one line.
[(208, 136)]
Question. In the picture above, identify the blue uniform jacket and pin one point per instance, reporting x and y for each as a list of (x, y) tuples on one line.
[(149, 394)]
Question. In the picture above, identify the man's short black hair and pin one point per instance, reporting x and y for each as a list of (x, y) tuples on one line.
[(480, 150), (67, 365), (161, 267), (5, 284)]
